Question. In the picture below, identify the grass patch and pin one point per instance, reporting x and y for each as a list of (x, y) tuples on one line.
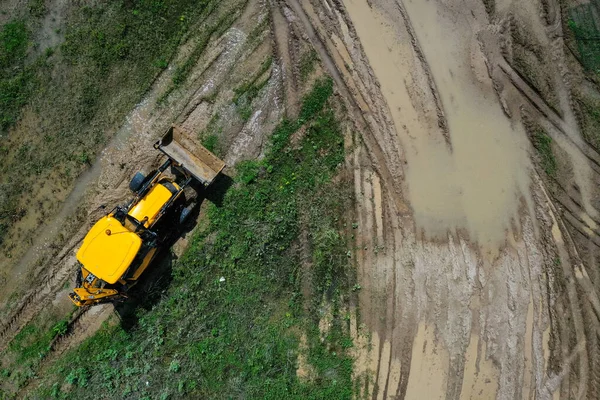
[(586, 33), (25, 352), (490, 7), (307, 64), (589, 112), (209, 138), (229, 325), (215, 27), (248, 91), (211, 142), (543, 144), (16, 79), (529, 60)]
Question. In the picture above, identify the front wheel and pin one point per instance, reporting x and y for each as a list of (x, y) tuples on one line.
[(137, 181), (79, 278)]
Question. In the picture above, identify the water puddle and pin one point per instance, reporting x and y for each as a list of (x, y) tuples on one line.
[(477, 185)]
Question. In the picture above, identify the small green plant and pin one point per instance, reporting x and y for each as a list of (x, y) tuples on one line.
[(60, 328), (211, 143), (161, 63), (78, 376), (248, 91), (543, 144), (307, 63), (175, 366), (585, 31)]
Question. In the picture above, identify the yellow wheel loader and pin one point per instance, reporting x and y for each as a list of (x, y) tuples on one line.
[(121, 245)]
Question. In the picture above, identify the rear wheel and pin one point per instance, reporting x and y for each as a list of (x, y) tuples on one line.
[(137, 181), (185, 214)]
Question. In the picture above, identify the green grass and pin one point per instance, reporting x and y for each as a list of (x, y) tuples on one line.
[(589, 112), (248, 91), (307, 64), (16, 79), (529, 59), (25, 352), (586, 34), (543, 144), (229, 325), (213, 28), (210, 137), (211, 142)]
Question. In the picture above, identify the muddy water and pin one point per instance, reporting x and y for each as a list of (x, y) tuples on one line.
[(475, 185)]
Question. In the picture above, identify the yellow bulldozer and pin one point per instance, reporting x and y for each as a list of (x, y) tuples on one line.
[(121, 245)]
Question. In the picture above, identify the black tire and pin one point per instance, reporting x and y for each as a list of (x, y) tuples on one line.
[(78, 278), (185, 214), (137, 181)]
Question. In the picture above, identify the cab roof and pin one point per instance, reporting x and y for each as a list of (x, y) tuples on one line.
[(108, 249)]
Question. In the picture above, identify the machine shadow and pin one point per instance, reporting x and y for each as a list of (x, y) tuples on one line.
[(156, 280)]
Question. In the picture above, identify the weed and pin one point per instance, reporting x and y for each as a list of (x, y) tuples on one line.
[(307, 64), (211, 142), (248, 91), (14, 40), (490, 7), (37, 8), (583, 26), (215, 28), (16, 79), (589, 112), (174, 366), (543, 144), (78, 376)]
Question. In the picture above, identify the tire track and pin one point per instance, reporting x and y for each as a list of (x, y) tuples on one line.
[(540, 105), (366, 125)]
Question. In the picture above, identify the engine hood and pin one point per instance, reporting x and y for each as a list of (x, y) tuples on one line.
[(108, 249)]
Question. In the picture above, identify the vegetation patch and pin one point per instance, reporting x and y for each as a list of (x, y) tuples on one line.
[(307, 64), (213, 28), (19, 362), (248, 91), (543, 144), (230, 323), (584, 26), (589, 114), (490, 7), (16, 81), (528, 59)]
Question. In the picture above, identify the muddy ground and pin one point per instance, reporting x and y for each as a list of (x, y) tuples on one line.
[(476, 259)]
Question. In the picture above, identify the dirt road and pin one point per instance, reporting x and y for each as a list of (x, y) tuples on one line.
[(476, 267)]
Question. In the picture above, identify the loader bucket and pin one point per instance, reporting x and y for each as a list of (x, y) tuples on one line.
[(192, 157)]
